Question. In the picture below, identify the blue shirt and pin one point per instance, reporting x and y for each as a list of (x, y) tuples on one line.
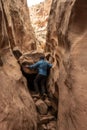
[(42, 67)]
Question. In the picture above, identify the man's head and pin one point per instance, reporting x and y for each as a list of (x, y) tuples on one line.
[(42, 57)]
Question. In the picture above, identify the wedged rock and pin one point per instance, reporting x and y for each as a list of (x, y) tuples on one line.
[(41, 107), (44, 119), (29, 59)]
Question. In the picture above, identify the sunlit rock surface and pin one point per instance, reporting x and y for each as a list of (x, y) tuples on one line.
[(39, 17)]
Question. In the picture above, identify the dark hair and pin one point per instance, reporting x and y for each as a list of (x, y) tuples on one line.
[(42, 57), (25, 63)]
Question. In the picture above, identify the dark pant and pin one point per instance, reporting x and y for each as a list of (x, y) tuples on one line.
[(40, 80)]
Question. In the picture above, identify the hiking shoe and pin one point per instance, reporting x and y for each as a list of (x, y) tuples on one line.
[(44, 96)]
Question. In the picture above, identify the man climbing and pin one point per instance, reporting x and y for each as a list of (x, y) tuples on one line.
[(42, 66)]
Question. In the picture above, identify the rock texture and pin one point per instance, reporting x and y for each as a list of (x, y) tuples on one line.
[(17, 109), (67, 34), (18, 25), (41, 107)]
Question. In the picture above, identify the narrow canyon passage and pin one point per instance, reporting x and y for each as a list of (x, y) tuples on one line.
[(47, 107), (59, 32)]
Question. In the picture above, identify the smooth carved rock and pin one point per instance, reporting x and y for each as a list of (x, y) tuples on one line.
[(67, 41), (41, 107), (17, 109)]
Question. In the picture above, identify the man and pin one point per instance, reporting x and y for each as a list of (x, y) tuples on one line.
[(42, 66)]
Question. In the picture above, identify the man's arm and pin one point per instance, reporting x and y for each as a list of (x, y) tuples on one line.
[(50, 65), (34, 66)]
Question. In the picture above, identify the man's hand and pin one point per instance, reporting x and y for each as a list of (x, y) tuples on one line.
[(26, 66)]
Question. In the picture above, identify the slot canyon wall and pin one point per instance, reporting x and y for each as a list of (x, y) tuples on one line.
[(17, 109), (67, 42)]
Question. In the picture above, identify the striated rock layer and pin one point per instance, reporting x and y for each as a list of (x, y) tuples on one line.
[(17, 109), (67, 41)]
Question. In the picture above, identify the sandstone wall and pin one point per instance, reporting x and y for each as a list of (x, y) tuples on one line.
[(17, 109), (66, 40), (20, 32)]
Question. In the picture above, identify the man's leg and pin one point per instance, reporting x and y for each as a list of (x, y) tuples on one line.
[(36, 83), (43, 85)]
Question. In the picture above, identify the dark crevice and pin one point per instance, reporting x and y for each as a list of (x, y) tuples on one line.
[(17, 53), (30, 80), (1, 62)]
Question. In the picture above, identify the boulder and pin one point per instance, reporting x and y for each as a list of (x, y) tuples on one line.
[(29, 59), (41, 107)]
